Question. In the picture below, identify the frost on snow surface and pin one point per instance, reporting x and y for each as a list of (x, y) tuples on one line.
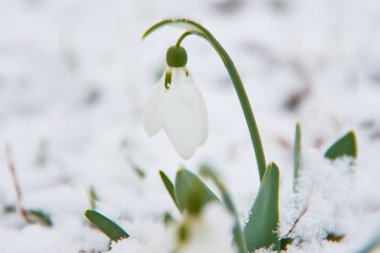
[(73, 78)]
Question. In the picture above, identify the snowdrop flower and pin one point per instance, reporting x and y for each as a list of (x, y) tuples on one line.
[(176, 105)]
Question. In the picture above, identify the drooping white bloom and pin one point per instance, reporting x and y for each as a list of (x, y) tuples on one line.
[(176, 105)]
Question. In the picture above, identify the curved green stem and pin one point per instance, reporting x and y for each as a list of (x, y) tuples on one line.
[(183, 36), (192, 27)]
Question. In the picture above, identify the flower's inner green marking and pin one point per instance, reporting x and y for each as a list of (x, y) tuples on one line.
[(168, 79), (176, 57)]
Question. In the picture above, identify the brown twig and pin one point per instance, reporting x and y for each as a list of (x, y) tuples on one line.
[(296, 221), (12, 170)]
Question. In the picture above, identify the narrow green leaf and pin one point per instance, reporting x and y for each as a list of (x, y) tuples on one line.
[(93, 197), (42, 153), (237, 231), (108, 227), (40, 216), (191, 193), (136, 168), (109, 246), (260, 231), (168, 218), (345, 146), (139, 171), (183, 233), (169, 186), (9, 209), (297, 155), (332, 237)]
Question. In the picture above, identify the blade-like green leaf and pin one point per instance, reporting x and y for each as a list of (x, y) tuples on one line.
[(169, 186), (345, 146), (138, 170), (40, 216), (9, 209), (333, 237), (237, 231), (108, 227), (168, 218), (297, 155), (93, 197), (191, 193), (260, 231)]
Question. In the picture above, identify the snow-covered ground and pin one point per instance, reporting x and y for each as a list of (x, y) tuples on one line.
[(73, 78)]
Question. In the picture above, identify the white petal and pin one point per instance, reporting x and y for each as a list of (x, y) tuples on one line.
[(151, 116), (201, 109), (183, 114), (203, 115)]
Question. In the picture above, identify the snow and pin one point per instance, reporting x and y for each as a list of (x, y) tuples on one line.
[(73, 78), (208, 233)]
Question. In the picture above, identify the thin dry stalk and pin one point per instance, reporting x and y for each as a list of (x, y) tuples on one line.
[(16, 185), (296, 221)]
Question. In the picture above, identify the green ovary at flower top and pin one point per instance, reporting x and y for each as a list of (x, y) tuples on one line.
[(176, 105)]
